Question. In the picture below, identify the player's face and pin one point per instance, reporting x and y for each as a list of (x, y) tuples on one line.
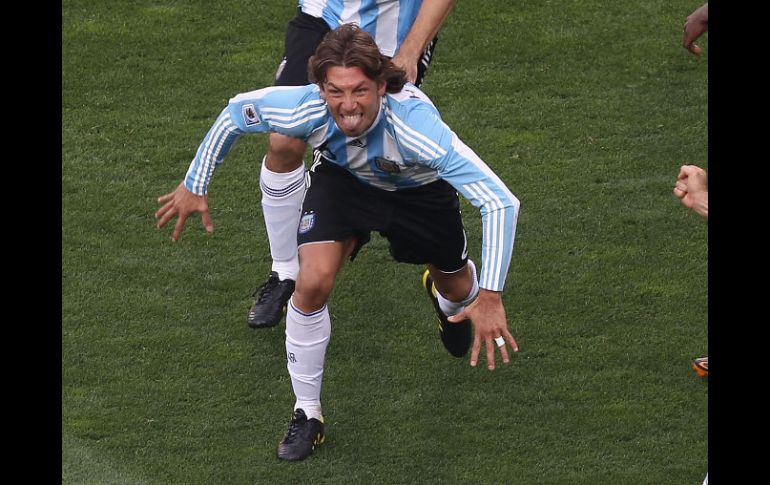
[(353, 99)]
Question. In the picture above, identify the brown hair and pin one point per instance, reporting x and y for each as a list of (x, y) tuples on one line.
[(349, 46)]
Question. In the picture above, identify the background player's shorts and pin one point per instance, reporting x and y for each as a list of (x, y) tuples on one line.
[(423, 224), (303, 34)]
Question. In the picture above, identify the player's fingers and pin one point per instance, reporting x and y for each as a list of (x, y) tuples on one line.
[(207, 222), (165, 198), (165, 215), (511, 341), (475, 350), (694, 49), (504, 354), (490, 354), (179, 227), (165, 208)]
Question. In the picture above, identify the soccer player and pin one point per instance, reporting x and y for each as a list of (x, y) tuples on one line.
[(404, 28), (384, 161)]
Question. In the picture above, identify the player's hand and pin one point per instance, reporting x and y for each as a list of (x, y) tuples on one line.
[(488, 316), (690, 180), (696, 24), (408, 63), (181, 203), (692, 188)]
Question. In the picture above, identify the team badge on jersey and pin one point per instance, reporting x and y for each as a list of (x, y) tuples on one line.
[(250, 115), (386, 165), (306, 223)]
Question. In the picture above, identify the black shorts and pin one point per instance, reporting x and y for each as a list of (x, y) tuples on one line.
[(423, 224), (303, 34)]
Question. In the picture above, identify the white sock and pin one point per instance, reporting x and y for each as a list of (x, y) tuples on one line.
[(282, 195), (307, 336), (454, 307)]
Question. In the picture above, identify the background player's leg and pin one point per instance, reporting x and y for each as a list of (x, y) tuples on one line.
[(282, 180)]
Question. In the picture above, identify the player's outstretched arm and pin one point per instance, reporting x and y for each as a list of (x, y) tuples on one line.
[(181, 203), (489, 322)]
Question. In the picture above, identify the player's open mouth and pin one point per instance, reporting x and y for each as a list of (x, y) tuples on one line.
[(350, 122)]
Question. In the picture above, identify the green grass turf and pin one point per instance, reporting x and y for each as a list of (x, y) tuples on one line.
[(585, 109)]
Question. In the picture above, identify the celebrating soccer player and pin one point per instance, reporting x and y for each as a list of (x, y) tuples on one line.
[(386, 162)]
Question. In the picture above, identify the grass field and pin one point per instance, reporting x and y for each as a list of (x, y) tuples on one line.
[(586, 109)]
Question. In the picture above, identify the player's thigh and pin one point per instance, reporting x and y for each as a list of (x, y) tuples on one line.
[(337, 207), (427, 228)]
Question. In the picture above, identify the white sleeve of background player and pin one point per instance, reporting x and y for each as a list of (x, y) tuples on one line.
[(426, 138), (290, 110)]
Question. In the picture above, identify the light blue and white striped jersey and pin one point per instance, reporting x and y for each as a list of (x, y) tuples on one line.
[(388, 21), (408, 145)]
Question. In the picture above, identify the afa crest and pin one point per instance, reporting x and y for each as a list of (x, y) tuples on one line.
[(306, 223)]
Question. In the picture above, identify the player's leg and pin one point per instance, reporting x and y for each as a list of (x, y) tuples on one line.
[(308, 328), (427, 229), (450, 293), (325, 238), (455, 290), (282, 181)]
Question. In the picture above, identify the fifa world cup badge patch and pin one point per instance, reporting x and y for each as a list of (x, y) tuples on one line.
[(250, 115), (306, 223)]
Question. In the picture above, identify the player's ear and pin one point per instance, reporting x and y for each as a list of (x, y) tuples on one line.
[(381, 86), (322, 91)]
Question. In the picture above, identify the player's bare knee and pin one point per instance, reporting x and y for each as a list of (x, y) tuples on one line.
[(312, 290), (309, 299), (284, 153)]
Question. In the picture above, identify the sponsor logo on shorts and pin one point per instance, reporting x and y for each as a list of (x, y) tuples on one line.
[(250, 115), (306, 223)]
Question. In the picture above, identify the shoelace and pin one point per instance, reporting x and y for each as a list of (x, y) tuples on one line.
[(294, 427), (264, 291)]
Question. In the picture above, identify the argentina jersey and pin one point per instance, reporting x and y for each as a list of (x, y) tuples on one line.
[(388, 21)]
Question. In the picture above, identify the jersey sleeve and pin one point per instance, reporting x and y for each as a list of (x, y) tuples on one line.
[(294, 111), (429, 141)]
